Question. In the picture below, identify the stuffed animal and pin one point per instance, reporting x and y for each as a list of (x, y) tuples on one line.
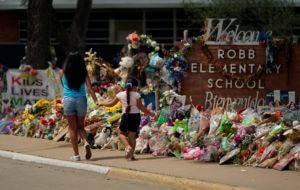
[(102, 138), (143, 140), (125, 65), (192, 153), (181, 125)]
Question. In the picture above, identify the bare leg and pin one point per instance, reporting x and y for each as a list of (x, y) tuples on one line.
[(132, 142), (72, 121), (82, 133), (81, 130), (124, 140)]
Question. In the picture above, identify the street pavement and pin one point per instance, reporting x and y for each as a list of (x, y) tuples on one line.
[(238, 176), (16, 175)]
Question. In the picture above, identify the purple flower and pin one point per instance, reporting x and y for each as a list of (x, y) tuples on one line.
[(145, 120), (166, 115), (184, 50)]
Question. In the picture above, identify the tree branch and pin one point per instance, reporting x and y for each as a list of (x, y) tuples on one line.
[(73, 39), (61, 33)]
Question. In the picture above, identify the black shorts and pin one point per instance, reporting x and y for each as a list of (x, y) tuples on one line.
[(130, 122)]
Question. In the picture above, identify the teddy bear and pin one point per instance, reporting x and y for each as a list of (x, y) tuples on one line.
[(125, 65), (143, 140)]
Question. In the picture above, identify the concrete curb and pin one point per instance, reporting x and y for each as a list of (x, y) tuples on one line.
[(53, 162), (184, 183)]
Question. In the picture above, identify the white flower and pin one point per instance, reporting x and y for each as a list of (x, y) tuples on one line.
[(149, 41), (187, 45), (157, 48), (154, 44), (144, 36)]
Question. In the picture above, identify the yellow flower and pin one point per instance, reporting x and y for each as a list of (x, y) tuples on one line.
[(113, 109), (31, 117), (114, 118), (27, 122), (25, 114), (42, 103)]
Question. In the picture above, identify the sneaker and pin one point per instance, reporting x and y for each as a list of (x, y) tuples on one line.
[(88, 152), (75, 158)]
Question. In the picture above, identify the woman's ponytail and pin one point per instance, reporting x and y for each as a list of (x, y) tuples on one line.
[(129, 85), (128, 89)]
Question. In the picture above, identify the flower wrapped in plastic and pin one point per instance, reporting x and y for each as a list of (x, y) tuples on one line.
[(158, 143), (156, 61), (225, 126), (41, 105)]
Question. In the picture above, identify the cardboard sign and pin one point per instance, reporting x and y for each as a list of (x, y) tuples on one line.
[(23, 89)]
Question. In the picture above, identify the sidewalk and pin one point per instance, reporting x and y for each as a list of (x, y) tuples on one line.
[(248, 177)]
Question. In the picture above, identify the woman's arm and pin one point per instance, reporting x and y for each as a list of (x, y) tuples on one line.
[(61, 73), (109, 103), (143, 108), (89, 88)]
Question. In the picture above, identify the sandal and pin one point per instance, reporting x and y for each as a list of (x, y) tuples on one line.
[(132, 159), (128, 150), (88, 152)]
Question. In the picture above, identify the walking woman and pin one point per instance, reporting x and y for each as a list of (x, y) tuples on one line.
[(75, 78), (131, 107)]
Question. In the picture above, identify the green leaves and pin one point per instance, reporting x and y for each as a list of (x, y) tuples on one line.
[(278, 16)]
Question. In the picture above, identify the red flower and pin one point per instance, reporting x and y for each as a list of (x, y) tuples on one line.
[(44, 122), (58, 115), (58, 101), (134, 37), (51, 122), (33, 72), (199, 107)]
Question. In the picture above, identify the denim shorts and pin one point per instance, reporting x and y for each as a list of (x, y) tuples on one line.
[(75, 106)]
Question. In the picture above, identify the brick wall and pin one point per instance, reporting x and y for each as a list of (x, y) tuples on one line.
[(196, 84), (9, 27)]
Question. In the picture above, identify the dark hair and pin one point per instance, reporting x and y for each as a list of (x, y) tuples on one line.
[(75, 71), (132, 82)]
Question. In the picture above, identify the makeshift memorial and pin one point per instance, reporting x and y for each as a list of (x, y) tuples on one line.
[(231, 135)]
